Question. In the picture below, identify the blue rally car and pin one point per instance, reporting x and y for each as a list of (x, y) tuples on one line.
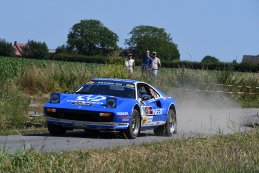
[(112, 104)]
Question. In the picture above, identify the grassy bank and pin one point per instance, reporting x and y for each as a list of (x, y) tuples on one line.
[(232, 153), (26, 82)]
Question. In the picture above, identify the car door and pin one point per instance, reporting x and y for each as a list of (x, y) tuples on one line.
[(151, 105)]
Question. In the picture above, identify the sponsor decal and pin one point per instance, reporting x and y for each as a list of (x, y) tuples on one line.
[(146, 110), (122, 113), (91, 98), (108, 83), (144, 120), (82, 103), (117, 82), (125, 119), (87, 100), (158, 111), (149, 111), (124, 116), (147, 120)]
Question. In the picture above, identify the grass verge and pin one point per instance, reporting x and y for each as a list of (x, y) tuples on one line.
[(25, 131), (231, 153)]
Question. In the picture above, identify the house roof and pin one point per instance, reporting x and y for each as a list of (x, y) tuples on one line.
[(19, 48), (251, 58)]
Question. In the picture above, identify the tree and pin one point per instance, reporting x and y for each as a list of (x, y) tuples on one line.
[(38, 50), (62, 49), (6, 48), (209, 59), (91, 37), (153, 39)]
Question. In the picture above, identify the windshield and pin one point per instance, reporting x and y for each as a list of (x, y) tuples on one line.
[(112, 90)]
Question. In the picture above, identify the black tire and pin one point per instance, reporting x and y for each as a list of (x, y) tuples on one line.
[(170, 127), (134, 127), (56, 130)]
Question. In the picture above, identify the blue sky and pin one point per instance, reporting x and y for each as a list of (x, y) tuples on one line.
[(226, 29)]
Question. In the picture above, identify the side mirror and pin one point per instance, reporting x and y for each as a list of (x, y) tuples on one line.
[(66, 92)]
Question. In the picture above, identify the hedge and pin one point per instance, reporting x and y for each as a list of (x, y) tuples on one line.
[(241, 67)]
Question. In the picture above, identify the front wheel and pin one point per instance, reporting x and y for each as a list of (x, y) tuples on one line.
[(134, 127), (170, 127), (56, 130)]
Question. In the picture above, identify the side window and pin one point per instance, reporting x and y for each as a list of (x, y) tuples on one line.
[(141, 90), (146, 93), (153, 93)]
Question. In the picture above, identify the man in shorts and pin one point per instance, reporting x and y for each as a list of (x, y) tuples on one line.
[(156, 63)]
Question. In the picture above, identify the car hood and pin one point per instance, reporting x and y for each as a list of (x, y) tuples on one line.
[(90, 102)]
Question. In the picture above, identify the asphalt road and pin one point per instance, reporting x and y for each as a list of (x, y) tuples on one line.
[(191, 123)]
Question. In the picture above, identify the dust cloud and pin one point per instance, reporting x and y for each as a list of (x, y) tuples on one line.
[(207, 113)]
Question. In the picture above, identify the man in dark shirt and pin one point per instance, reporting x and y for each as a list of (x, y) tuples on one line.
[(146, 63)]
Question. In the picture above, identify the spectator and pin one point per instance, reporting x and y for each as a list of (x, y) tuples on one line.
[(155, 64), (146, 63), (130, 63)]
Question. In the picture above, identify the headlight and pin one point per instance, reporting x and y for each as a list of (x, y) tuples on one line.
[(111, 102), (54, 98)]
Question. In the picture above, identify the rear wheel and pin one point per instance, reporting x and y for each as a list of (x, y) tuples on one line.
[(56, 130), (134, 127), (170, 127)]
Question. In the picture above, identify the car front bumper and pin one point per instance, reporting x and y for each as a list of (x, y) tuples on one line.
[(87, 124)]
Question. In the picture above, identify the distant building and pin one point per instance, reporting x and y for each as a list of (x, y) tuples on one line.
[(251, 58), (19, 48), (51, 51)]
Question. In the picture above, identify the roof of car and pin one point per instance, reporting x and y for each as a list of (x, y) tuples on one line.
[(115, 80)]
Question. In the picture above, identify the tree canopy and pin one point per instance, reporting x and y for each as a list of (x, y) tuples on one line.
[(34, 49), (153, 39), (6, 48), (209, 59), (91, 37)]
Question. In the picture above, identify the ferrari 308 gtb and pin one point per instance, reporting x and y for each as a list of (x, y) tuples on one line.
[(128, 106)]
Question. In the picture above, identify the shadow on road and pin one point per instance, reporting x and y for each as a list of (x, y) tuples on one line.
[(93, 134)]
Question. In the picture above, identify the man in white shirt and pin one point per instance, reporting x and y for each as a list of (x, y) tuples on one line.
[(155, 64), (130, 63)]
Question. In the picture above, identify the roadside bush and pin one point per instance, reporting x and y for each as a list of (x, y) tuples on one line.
[(6, 48), (37, 50), (13, 107)]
